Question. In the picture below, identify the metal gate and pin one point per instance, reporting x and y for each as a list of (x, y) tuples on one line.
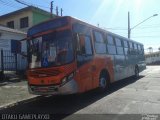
[(12, 62), (8, 61)]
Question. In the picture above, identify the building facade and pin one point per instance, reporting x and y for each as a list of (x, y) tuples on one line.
[(24, 18), (153, 58), (11, 60)]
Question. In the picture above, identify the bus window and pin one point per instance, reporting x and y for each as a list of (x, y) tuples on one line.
[(139, 47), (79, 28), (119, 46), (100, 45), (118, 42), (120, 51), (125, 47), (86, 46), (110, 46), (110, 40), (142, 50), (131, 50), (98, 37), (125, 44), (135, 46), (130, 45)]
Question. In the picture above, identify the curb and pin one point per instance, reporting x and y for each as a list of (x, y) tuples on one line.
[(19, 102)]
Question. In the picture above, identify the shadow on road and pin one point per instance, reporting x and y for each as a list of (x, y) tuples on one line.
[(62, 106)]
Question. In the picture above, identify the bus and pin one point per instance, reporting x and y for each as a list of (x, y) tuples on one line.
[(68, 56)]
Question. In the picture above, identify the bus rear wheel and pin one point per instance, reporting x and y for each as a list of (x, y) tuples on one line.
[(103, 82), (136, 72)]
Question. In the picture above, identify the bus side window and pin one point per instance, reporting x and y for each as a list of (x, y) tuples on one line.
[(126, 50), (100, 43), (119, 46), (85, 45), (131, 48), (111, 46), (142, 50)]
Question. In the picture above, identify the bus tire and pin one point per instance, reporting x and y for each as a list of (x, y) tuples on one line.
[(104, 81), (136, 72)]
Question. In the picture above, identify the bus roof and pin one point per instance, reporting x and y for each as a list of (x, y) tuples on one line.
[(104, 30), (92, 26)]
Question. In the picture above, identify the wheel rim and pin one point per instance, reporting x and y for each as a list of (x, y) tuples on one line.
[(103, 83)]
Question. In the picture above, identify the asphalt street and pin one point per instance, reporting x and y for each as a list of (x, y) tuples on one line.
[(127, 99)]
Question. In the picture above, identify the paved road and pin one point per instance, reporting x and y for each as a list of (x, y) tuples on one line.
[(136, 98)]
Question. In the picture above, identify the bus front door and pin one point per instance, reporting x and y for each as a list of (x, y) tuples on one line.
[(84, 61)]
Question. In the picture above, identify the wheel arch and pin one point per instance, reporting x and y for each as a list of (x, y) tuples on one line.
[(106, 73)]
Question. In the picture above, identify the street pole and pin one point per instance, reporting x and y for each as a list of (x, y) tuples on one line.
[(57, 13), (61, 12), (51, 9), (129, 29)]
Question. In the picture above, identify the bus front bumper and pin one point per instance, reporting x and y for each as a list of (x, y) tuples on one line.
[(70, 87)]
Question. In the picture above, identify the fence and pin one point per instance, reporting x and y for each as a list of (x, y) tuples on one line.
[(12, 62)]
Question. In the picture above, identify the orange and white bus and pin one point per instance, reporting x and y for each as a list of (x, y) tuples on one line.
[(68, 56)]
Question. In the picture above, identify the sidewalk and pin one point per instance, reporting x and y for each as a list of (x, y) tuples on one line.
[(13, 91)]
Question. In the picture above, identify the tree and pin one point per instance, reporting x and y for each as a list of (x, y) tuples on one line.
[(150, 49)]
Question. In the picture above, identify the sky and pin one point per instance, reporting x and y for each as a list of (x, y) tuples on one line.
[(109, 14)]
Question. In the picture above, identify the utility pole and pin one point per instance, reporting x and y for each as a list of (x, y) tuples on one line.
[(57, 13), (61, 12), (51, 9), (129, 29)]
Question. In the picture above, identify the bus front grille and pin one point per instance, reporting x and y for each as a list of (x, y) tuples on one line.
[(41, 73)]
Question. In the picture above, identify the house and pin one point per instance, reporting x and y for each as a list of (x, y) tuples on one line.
[(153, 58), (8, 45), (24, 18)]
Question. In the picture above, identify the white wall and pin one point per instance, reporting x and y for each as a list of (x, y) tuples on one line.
[(6, 37), (5, 44)]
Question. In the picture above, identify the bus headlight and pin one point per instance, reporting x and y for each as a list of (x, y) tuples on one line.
[(66, 79), (70, 77)]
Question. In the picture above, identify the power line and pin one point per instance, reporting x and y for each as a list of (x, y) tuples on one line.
[(23, 3), (9, 4), (30, 4), (146, 36)]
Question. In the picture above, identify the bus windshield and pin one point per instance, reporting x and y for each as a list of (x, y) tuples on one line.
[(49, 50)]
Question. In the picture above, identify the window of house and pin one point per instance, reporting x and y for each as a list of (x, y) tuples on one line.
[(24, 22), (10, 24)]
